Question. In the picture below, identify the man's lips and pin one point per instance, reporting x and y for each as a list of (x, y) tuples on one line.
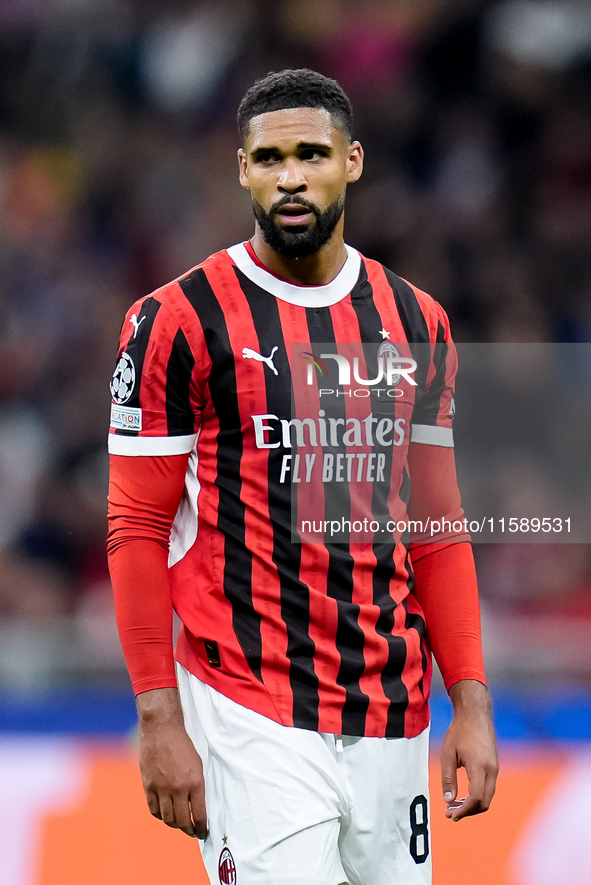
[(294, 215)]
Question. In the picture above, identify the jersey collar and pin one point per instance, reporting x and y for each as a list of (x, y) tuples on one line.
[(304, 296)]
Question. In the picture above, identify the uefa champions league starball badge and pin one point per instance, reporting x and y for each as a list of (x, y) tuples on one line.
[(123, 380)]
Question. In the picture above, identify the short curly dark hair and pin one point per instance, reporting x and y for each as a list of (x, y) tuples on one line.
[(301, 88)]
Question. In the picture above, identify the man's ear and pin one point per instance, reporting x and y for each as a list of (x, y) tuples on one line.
[(242, 168), (354, 162)]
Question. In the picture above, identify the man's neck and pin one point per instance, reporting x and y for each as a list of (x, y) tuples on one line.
[(314, 270)]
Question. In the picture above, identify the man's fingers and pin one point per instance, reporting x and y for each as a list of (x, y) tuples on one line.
[(153, 804), (490, 788), (449, 774), (176, 812), (167, 811), (469, 743), (470, 806), (172, 775), (481, 791), (198, 813), (182, 815)]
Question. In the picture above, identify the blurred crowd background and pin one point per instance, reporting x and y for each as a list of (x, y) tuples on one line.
[(118, 173)]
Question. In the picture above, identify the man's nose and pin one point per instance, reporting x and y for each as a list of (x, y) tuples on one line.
[(292, 179)]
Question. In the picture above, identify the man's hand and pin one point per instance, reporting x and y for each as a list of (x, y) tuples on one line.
[(470, 743), (170, 766)]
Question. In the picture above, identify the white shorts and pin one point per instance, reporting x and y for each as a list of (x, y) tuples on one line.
[(287, 806)]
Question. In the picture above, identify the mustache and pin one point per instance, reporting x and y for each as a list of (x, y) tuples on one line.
[(288, 200)]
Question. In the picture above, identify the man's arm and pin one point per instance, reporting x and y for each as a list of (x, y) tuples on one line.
[(144, 494), (446, 589), (171, 769), (470, 743)]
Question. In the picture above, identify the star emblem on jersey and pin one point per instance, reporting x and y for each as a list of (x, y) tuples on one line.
[(227, 868), (249, 354), (123, 380), (384, 334)]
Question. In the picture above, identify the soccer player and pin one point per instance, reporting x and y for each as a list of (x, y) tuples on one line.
[(293, 736)]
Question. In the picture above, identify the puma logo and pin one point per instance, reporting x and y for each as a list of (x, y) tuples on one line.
[(135, 323), (250, 354)]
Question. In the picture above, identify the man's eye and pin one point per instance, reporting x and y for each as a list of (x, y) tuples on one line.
[(312, 154), (267, 158)]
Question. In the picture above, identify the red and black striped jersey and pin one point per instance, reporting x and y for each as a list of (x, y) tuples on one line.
[(274, 391)]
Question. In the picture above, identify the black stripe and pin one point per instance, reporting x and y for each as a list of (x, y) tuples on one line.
[(231, 511), (411, 316), (370, 321), (394, 688), (180, 417), (136, 350), (295, 595), (416, 622), (414, 325), (349, 636), (428, 408)]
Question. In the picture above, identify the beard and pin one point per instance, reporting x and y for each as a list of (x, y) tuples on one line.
[(298, 242)]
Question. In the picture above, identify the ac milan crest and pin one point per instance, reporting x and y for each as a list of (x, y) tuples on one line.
[(387, 349), (227, 868)]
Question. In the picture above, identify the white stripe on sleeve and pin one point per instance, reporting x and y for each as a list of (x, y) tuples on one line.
[(135, 446), (431, 435)]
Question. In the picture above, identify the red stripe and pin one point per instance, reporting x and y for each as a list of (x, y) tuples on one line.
[(191, 326), (384, 301), (434, 314), (419, 719), (154, 374), (348, 338)]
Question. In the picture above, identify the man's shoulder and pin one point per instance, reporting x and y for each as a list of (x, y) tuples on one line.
[(216, 262), (406, 293), (173, 295), (172, 301)]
